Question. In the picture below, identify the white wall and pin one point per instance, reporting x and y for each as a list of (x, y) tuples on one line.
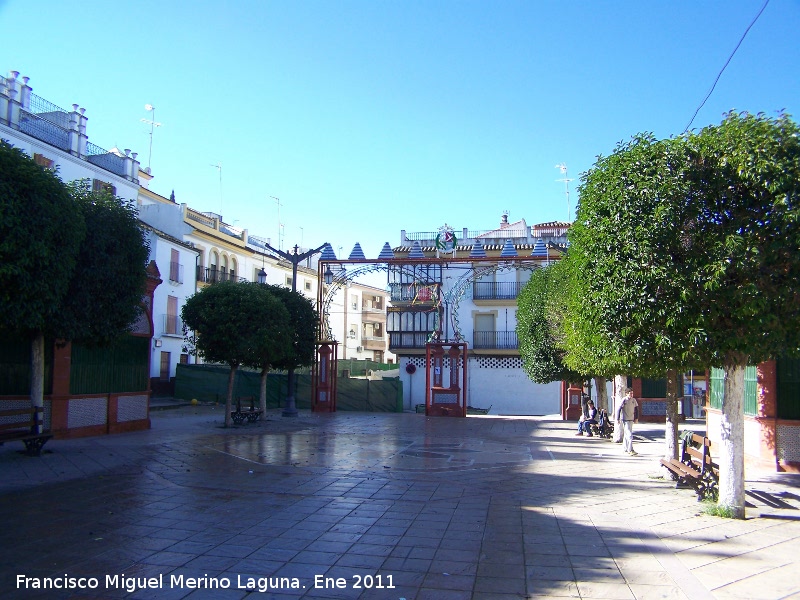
[(70, 167), (507, 390)]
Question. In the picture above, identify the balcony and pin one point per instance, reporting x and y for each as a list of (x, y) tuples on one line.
[(495, 340), (373, 342), (173, 326), (211, 275), (412, 292), (408, 339), (495, 290)]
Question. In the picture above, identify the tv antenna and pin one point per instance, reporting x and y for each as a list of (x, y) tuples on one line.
[(563, 168), (280, 225), (153, 124), (218, 167)]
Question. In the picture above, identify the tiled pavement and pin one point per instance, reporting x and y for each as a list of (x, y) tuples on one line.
[(411, 507)]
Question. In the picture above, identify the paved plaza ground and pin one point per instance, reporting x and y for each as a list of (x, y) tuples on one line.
[(402, 505)]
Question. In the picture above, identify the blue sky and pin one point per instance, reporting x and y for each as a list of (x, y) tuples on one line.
[(368, 117)]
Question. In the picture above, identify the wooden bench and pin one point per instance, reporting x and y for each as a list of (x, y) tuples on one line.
[(252, 414), (695, 467), (27, 430)]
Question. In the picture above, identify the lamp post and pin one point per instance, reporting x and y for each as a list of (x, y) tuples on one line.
[(294, 258)]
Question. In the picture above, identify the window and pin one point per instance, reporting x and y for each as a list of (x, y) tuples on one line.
[(288, 282), (103, 186), (174, 266), (184, 359), (43, 161), (171, 325), (308, 286)]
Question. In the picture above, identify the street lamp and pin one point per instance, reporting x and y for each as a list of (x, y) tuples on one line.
[(262, 276), (328, 275), (295, 258)]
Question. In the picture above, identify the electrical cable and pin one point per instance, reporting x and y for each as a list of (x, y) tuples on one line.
[(725, 66)]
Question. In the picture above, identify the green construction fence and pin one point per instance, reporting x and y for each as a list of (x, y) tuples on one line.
[(209, 383)]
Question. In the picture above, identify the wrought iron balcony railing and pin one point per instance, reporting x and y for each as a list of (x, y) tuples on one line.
[(495, 340), (495, 290), (408, 339), (413, 292), (211, 275)]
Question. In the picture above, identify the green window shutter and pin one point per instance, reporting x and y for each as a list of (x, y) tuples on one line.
[(750, 391), (717, 390), (788, 372)]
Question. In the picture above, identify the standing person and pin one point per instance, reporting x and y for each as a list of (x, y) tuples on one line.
[(626, 415)]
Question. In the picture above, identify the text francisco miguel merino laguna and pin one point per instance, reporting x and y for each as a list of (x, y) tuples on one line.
[(262, 584)]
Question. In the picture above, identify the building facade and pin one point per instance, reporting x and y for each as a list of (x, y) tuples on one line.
[(210, 251), (463, 286)]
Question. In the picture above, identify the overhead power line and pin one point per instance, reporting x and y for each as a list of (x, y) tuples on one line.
[(708, 95)]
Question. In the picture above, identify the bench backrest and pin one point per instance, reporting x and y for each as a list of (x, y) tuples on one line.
[(34, 418), (701, 455)]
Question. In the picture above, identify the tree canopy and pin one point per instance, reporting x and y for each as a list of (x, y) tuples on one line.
[(41, 230), (72, 262), (539, 319), (112, 269)]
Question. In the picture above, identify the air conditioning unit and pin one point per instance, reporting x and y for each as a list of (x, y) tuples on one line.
[(359, 348)]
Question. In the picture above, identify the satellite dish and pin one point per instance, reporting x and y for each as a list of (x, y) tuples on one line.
[(149, 107)]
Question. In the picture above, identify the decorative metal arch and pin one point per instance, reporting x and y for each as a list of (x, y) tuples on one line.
[(340, 279), (457, 291)]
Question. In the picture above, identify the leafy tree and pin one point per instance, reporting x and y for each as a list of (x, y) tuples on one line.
[(691, 246), (222, 318), (304, 322), (271, 336), (630, 240), (72, 262), (540, 328), (111, 273), (41, 231), (538, 313), (746, 181)]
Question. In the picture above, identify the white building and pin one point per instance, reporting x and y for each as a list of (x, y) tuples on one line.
[(57, 138), (176, 260), (215, 251), (473, 299)]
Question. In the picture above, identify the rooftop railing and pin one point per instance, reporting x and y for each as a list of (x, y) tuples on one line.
[(105, 159)]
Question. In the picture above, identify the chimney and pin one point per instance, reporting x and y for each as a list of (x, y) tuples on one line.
[(504, 220)]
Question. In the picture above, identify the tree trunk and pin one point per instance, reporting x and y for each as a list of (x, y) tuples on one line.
[(731, 451), (37, 372), (262, 399), (620, 385), (229, 397), (671, 429), (602, 392)]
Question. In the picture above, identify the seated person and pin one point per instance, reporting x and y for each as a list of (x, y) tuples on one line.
[(587, 420)]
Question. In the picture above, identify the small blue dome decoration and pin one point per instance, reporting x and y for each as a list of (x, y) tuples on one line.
[(327, 253), (357, 253), (416, 251), (539, 249), (477, 250), (508, 250), (386, 252)]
